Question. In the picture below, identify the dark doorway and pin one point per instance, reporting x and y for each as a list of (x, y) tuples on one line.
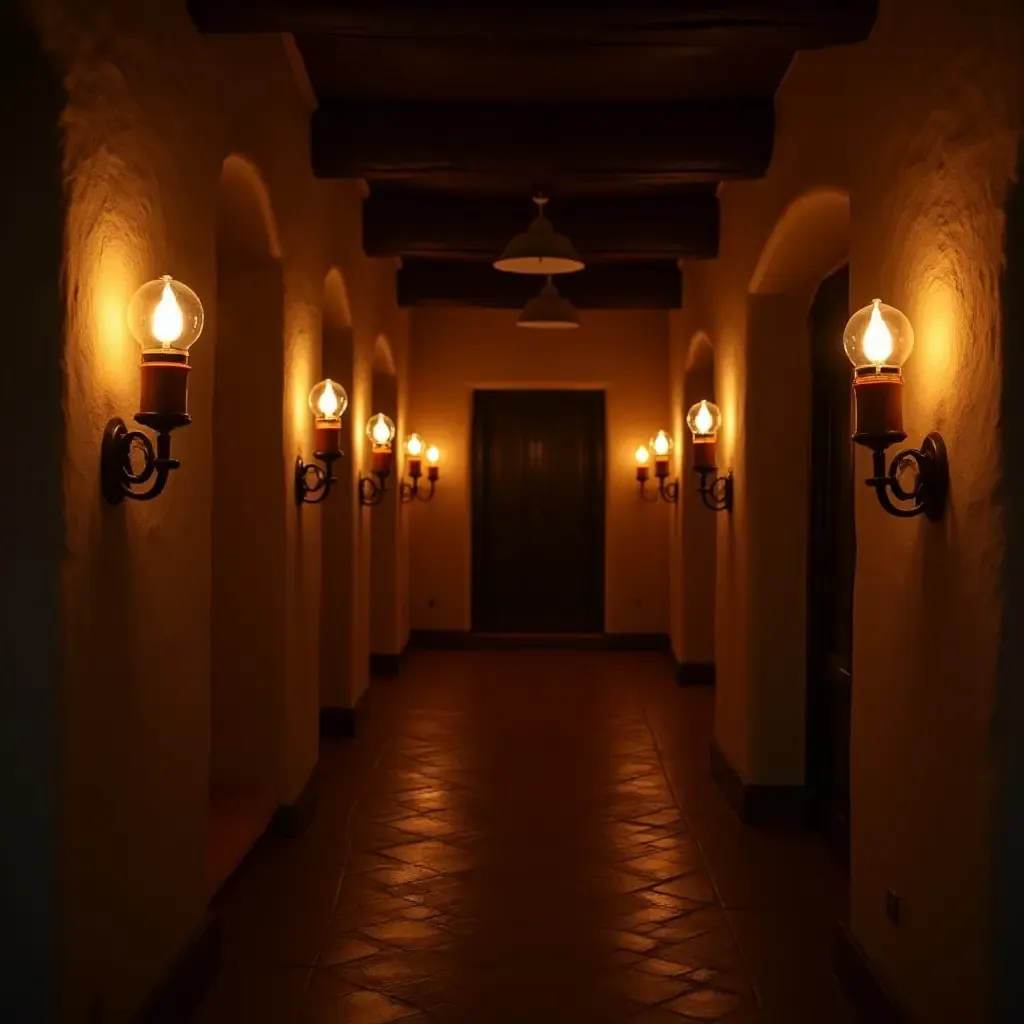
[(831, 562), (538, 511)]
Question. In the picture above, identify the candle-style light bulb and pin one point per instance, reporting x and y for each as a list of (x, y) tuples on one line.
[(168, 320), (328, 402), (703, 421), (877, 343), (642, 456), (433, 455), (414, 445), (381, 431), (662, 444)]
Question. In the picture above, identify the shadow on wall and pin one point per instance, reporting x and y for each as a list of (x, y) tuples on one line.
[(1007, 891)]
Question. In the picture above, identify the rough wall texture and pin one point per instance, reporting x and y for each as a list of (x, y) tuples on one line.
[(920, 127), (153, 110), (454, 351)]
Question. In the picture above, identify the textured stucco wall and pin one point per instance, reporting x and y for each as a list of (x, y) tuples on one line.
[(626, 353), (153, 110), (920, 127)]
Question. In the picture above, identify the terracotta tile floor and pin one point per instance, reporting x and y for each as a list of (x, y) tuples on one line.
[(529, 837)]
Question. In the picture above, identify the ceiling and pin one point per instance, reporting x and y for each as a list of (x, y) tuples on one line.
[(628, 114)]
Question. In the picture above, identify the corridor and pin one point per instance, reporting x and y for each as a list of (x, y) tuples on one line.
[(529, 836)]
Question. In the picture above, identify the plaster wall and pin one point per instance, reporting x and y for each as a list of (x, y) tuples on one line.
[(919, 126), (456, 350), (152, 112)]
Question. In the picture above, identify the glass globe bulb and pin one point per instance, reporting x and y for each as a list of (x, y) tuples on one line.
[(414, 446), (165, 316), (704, 419), (433, 455), (380, 430), (878, 339), (642, 456), (328, 400), (661, 444)]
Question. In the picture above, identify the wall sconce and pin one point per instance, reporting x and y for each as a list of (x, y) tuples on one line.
[(381, 432), (328, 403), (878, 339), (704, 420), (661, 444), (165, 318), (414, 449)]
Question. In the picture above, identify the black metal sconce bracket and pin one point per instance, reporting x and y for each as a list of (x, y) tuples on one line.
[(117, 477), (410, 491), (373, 488), (716, 495), (929, 492), (313, 493), (668, 490)]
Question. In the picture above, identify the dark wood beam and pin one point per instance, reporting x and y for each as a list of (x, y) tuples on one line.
[(653, 285), (427, 225), (781, 24), (544, 144)]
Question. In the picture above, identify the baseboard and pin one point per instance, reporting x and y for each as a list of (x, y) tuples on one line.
[(695, 673), (291, 820), (187, 980), (756, 804), (871, 1000), (385, 665), (338, 723), (467, 640)]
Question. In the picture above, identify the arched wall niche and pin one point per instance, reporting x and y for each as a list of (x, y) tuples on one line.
[(810, 240), (698, 524), (339, 532), (248, 578)]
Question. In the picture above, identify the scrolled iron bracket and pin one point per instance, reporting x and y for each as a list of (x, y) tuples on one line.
[(716, 495), (118, 478), (928, 495)]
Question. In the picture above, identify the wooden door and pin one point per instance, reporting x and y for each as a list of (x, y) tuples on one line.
[(538, 511), (831, 563)]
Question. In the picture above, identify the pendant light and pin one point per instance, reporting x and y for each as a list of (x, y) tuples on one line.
[(539, 250), (549, 309)]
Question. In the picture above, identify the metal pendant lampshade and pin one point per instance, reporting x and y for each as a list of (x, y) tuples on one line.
[(549, 309), (539, 250)]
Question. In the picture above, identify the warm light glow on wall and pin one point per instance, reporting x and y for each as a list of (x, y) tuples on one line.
[(111, 286), (937, 315)]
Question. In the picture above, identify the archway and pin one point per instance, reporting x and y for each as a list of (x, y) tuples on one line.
[(384, 533), (699, 556), (248, 577), (809, 242), (339, 538)]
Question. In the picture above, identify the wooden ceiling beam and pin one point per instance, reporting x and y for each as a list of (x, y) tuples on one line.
[(779, 24), (544, 144), (426, 225), (652, 285)]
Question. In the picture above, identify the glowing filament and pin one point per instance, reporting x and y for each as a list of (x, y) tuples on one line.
[(381, 431), (642, 456), (877, 341), (433, 455), (329, 402), (703, 421), (662, 445), (168, 320), (414, 446)]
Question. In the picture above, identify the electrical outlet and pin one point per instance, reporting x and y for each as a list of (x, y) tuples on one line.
[(892, 906)]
